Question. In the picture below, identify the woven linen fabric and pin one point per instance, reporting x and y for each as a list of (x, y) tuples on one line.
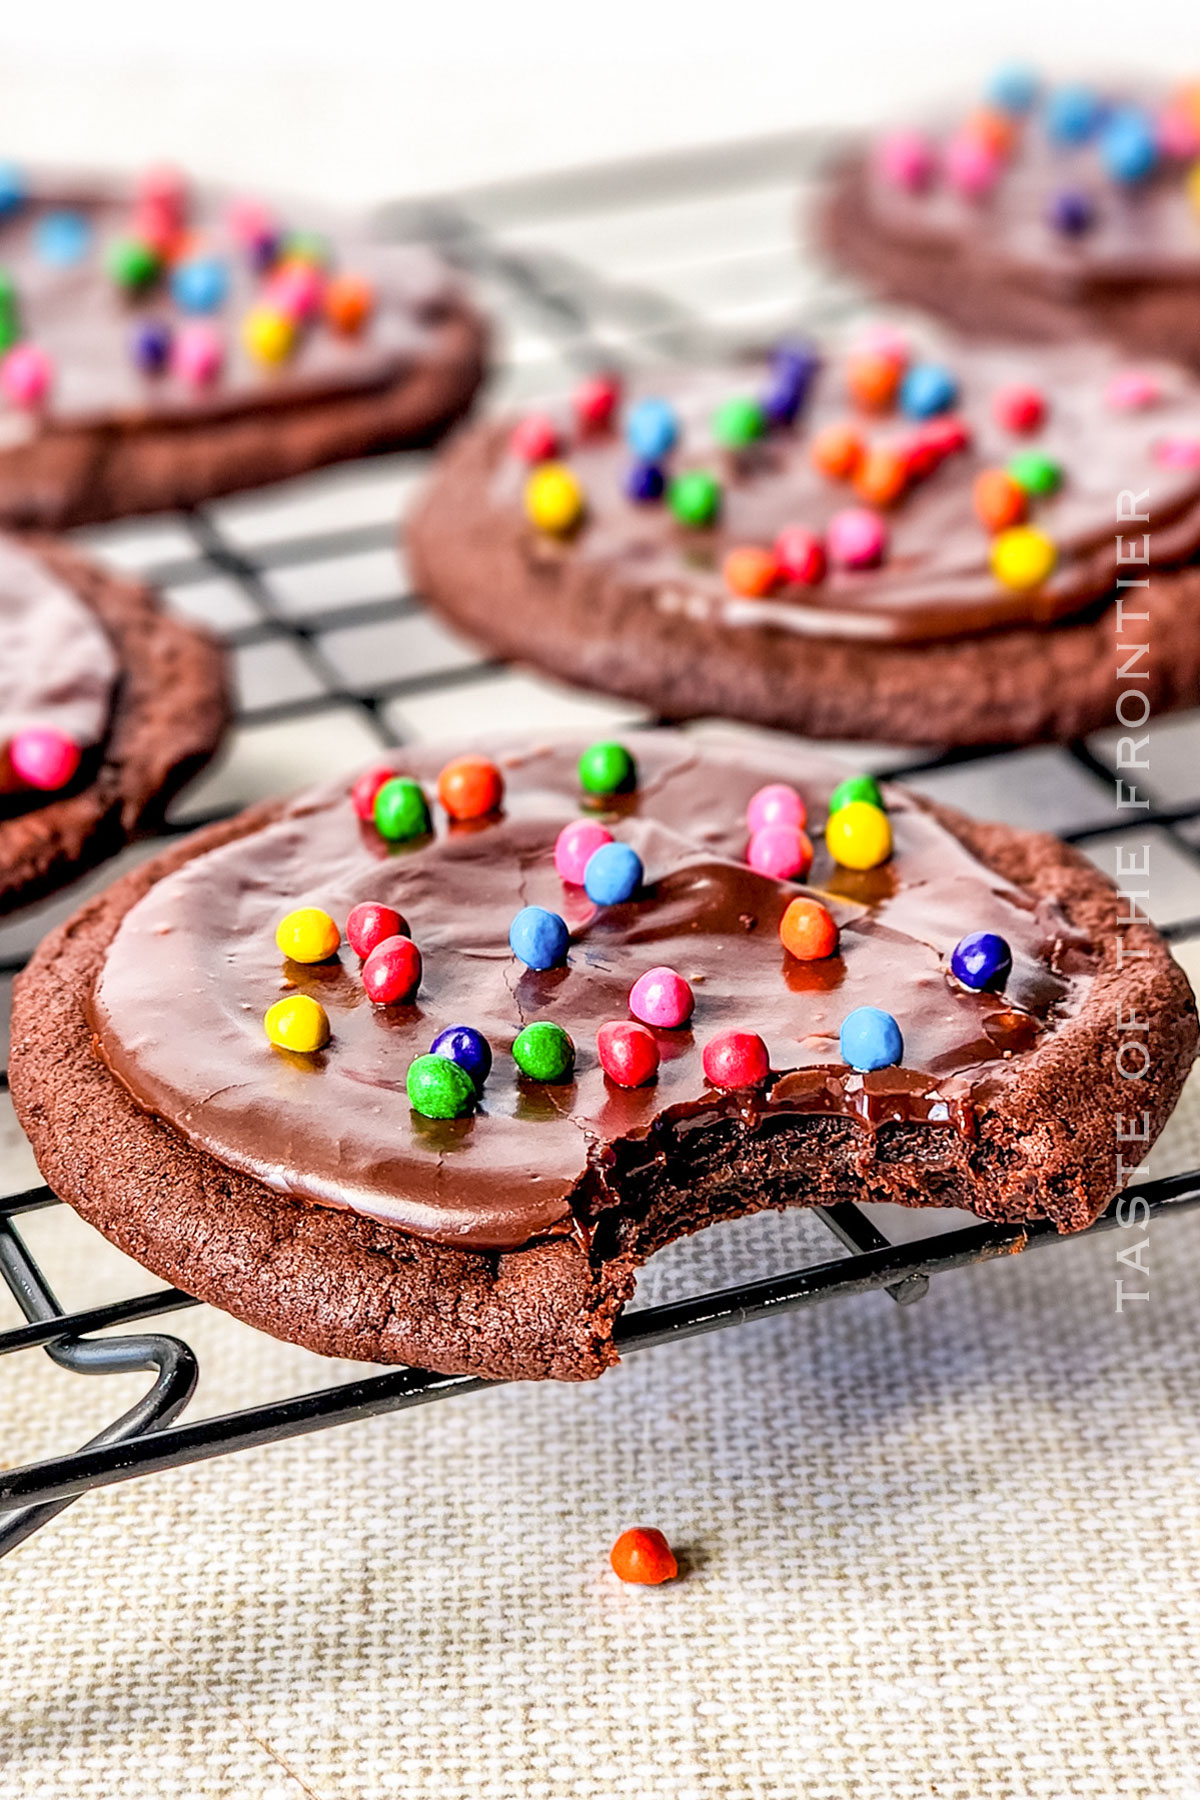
[(940, 1550)]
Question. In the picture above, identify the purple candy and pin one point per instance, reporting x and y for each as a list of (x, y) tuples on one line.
[(792, 367), (1071, 213), (264, 251), (150, 346), (645, 482)]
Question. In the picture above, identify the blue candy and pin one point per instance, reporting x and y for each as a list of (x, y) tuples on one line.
[(150, 346), (468, 1048), (1013, 90), (651, 429), (870, 1039), (927, 389), (1070, 212), (981, 960), (539, 939), (1073, 114), (613, 873), (1128, 147), (62, 238), (13, 191), (645, 482), (201, 285)]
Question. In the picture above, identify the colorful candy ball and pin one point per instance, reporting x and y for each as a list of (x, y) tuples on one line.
[(533, 439), (882, 475), (470, 787), (872, 379), (859, 835), (981, 960), (26, 374), (972, 166), (870, 1039), (607, 768), (369, 923), (297, 1023), (554, 499), (200, 285), (1132, 391), (197, 354), (694, 497), (132, 264), (1036, 472), (780, 852), (392, 972), (43, 758), (855, 787), (575, 845), (1019, 408), (628, 1053), (466, 1047), (439, 1088), (738, 422), (401, 810), (808, 930), (1023, 557), (544, 1052), (645, 483), (906, 160), (651, 429), (1129, 145), (347, 303), (927, 388), (800, 555), (539, 938), (836, 450), (736, 1059), (643, 1557), (776, 804), (751, 571), (661, 997), (1070, 213), (307, 935), (365, 789), (595, 401), (1013, 89), (998, 500), (295, 288), (268, 335), (856, 539), (150, 346), (1072, 114), (614, 873)]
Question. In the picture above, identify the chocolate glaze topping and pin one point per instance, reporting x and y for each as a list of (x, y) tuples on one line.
[(935, 581), (178, 1008), (57, 665)]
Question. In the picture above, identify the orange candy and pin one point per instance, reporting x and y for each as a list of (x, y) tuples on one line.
[(882, 476), (837, 451), (998, 500), (347, 303), (470, 787), (807, 931), (995, 131), (751, 571), (872, 379), (643, 1556)]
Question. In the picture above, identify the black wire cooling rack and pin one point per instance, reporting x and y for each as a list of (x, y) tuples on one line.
[(681, 257)]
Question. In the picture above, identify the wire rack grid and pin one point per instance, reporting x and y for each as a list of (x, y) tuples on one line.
[(684, 257)]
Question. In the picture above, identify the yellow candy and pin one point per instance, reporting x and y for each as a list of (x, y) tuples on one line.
[(1193, 185), (268, 335), (297, 1023), (859, 835), (554, 499), (308, 935), (1022, 557)]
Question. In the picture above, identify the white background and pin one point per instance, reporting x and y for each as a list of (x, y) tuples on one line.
[(370, 98)]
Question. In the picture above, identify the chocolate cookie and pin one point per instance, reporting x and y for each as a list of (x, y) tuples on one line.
[(1052, 214), (890, 544), (256, 1114), (160, 347), (107, 706)]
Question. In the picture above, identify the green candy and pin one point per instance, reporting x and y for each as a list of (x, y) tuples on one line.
[(308, 247), (856, 787), (401, 810), (738, 422), (131, 263), (440, 1089), (544, 1052), (694, 497), (607, 769), (10, 329), (1036, 472)]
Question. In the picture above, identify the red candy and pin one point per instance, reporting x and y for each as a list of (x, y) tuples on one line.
[(43, 758), (392, 972), (782, 852), (736, 1059), (533, 439), (1018, 408), (628, 1053), (644, 1557), (800, 555), (595, 401), (369, 924), (575, 843), (362, 794), (470, 787)]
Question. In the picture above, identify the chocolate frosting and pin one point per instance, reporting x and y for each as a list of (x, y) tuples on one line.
[(935, 581), (84, 322), (57, 665), (178, 1008)]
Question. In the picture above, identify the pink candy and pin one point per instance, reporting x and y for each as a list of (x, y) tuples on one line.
[(43, 758), (1178, 135), (971, 167), (575, 843), (776, 804), (25, 375), (856, 538), (906, 159), (295, 290), (661, 997), (886, 341), (782, 852), (1178, 453), (197, 354), (1131, 391), (250, 222)]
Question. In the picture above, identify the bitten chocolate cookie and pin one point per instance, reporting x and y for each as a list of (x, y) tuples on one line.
[(107, 706), (1047, 212), (884, 542), (160, 347), (427, 1081)]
